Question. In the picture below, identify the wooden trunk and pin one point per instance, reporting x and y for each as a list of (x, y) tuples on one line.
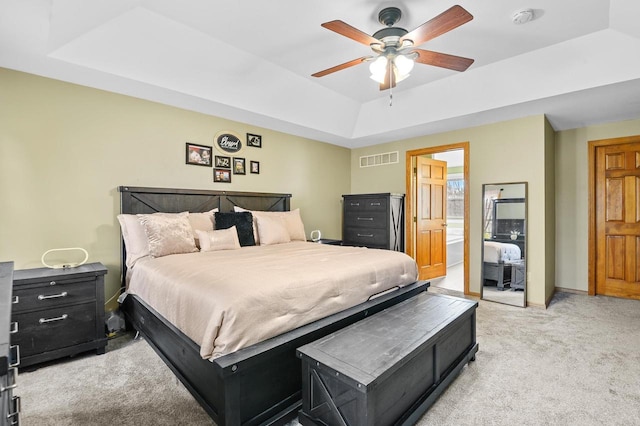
[(389, 368)]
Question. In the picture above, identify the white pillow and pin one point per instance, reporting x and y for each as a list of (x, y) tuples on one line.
[(272, 230), (202, 222), (135, 239), (168, 233), (222, 239), (292, 221)]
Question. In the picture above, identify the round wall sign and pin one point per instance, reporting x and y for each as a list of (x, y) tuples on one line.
[(228, 142)]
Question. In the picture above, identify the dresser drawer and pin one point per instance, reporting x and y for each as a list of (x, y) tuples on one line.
[(48, 295), (365, 219), (365, 204), (55, 328), (368, 237)]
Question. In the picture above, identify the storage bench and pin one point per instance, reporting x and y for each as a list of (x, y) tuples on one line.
[(388, 368)]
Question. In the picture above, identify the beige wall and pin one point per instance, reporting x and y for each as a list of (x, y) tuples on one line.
[(550, 211), (64, 150), (512, 151), (571, 195)]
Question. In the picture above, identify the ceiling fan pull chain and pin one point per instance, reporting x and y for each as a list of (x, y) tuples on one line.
[(391, 81)]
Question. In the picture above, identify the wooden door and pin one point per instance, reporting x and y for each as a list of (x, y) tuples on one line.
[(617, 199), (431, 216)]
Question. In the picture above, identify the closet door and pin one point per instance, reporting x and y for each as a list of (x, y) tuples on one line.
[(617, 199)]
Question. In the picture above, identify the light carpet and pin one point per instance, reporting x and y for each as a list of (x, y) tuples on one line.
[(575, 363)]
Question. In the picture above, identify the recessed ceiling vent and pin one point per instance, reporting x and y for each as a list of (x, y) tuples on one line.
[(379, 159)]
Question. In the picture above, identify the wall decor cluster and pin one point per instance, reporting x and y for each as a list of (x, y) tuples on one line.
[(230, 144)]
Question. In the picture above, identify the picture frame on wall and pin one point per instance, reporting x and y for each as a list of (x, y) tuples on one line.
[(222, 175), (254, 167), (239, 166), (198, 155), (254, 140), (222, 162)]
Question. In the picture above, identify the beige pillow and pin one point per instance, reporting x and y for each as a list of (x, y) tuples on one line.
[(272, 230), (168, 233), (222, 239), (292, 221), (202, 222), (135, 239), (294, 225)]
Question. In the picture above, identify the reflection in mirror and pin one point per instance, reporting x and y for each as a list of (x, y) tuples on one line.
[(504, 243)]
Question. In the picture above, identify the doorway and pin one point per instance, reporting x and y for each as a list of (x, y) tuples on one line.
[(614, 217), (424, 240)]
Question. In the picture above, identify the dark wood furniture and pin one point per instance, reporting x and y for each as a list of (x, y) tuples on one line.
[(9, 354), (59, 312), (373, 220), (504, 224), (389, 368), (498, 272), (260, 384), (517, 274)]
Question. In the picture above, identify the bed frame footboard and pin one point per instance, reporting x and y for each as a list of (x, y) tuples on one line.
[(260, 384)]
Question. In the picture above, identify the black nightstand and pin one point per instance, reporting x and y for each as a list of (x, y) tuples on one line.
[(329, 241), (59, 312)]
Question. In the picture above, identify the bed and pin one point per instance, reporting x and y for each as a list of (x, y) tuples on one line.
[(497, 256), (259, 383)]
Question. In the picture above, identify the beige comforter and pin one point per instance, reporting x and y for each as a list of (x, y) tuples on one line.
[(227, 300)]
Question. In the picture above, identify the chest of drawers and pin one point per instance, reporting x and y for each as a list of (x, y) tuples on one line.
[(373, 220), (59, 312), (9, 355)]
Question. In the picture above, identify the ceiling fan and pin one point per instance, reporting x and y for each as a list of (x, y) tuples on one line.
[(395, 47)]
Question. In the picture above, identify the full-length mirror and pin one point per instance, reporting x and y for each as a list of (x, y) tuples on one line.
[(504, 266)]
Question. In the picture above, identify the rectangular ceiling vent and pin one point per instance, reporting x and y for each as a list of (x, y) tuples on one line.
[(379, 159)]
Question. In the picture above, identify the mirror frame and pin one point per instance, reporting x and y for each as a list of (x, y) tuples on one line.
[(524, 240)]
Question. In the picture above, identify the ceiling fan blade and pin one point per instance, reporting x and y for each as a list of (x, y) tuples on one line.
[(443, 23), (443, 60), (347, 30), (341, 67), (389, 80)]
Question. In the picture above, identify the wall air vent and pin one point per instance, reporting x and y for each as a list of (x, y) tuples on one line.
[(379, 159)]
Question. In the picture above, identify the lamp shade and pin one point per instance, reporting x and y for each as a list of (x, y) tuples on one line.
[(404, 66), (378, 69)]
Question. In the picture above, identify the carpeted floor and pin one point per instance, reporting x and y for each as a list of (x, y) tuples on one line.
[(576, 363)]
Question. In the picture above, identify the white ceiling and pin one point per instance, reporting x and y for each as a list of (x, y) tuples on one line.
[(252, 60)]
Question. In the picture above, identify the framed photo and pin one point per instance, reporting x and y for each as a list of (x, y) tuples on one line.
[(254, 167), (254, 140), (198, 155), (222, 175), (238, 166), (223, 162)]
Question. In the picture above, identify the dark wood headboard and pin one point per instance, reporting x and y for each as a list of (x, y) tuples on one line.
[(136, 200), (140, 200)]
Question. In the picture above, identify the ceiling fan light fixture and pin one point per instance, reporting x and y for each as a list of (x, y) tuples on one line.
[(378, 68), (404, 65)]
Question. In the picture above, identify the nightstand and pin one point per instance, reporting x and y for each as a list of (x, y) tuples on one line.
[(329, 241), (59, 312)]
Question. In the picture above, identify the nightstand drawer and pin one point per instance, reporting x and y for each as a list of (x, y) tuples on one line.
[(368, 237), (56, 328), (365, 204), (365, 219), (62, 292)]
